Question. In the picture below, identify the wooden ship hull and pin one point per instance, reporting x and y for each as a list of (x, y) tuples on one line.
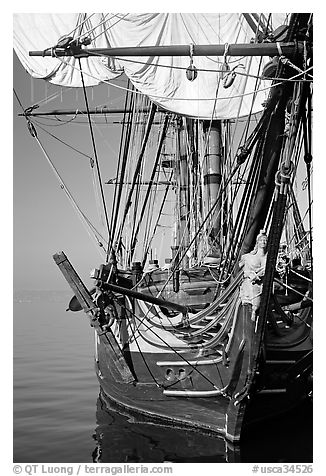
[(201, 410), (220, 371)]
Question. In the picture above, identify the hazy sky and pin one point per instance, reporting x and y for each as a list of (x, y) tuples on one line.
[(44, 220)]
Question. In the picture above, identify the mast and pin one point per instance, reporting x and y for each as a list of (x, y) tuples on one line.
[(212, 180)]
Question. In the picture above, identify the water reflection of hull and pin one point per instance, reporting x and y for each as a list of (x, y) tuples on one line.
[(122, 439)]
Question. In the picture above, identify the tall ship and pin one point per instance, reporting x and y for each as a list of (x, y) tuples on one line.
[(202, 306)]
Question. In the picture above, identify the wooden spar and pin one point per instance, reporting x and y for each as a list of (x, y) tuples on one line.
[(147, 298), (79, 289), (103, 111), (85, 299), (242, 49)]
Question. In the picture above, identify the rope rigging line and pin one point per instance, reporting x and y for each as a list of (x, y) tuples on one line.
[(306, 119), (205, 147), (246, 131), (71, 198), (92, 29), (281, 283), (92, 160), (139, 144), (221, 335), (133, 142), (55, 119), (264, 123), (85, 220), (244, 138), (300, 130), (151, 230), (102, 108), (195, 237), (254, 134), (111, 150), (124, 139), (299, 224), (205, 70), (231, 254), (62, 142), (151, 180), (96, 158), (92, 166), (192, 204), (258, 133), (133, 334), (198, 231), (218, 310), (166, 344), (138, 165), (292, 203), (183, 99), (157, 220), (80, 26), (138, 188), (74, 203), (110, 26), (276, 227), (300, 275)]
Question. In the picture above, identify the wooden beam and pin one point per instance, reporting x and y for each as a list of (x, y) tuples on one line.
[(103, 111), (79, 289), (241, 49), (86, 301), (147, 298)]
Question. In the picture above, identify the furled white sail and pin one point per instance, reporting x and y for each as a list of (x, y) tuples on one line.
[(163, 79)]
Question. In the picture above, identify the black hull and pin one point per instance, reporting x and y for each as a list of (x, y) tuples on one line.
[(219, 371), (283, 383), (147, 402), (203, 416)]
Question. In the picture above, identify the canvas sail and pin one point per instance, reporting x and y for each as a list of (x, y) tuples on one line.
[(162, 79)]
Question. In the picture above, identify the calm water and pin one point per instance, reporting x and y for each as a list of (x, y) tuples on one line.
[(59, 415)]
